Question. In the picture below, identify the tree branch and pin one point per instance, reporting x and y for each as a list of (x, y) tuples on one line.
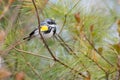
[(40, 32), (19, 50), (55, 59)]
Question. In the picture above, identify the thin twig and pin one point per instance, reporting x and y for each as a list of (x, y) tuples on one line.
[(96, 63), (107, 76), (65, 43), (62, 45), (5, 52), (99, 66), (33, 54), (98, 51), (71, 68), (66, 46), (29, 64), (65, 16), (74, 6)]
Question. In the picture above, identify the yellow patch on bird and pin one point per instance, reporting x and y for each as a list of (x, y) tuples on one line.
[(43, 28)]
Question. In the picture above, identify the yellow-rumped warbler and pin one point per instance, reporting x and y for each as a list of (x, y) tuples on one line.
[(47, 28)]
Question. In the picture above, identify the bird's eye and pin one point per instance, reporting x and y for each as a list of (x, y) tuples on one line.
[(49, 22)]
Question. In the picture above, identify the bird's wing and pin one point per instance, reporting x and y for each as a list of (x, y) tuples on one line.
[(32, 33)]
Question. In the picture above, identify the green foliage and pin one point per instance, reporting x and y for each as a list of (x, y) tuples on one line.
[(87, 60)]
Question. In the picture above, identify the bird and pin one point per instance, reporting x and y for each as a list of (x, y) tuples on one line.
[(47, 29)]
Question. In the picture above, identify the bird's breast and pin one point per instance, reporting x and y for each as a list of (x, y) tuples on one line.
[(44, 34)]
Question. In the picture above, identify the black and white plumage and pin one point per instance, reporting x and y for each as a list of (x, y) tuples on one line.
[(47, 28)]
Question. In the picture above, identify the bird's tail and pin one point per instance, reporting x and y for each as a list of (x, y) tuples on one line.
[(27, 38)]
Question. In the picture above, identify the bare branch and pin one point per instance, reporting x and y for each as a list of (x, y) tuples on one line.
[(33, 54)]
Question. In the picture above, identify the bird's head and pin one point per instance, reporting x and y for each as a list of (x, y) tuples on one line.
[(49, 25)]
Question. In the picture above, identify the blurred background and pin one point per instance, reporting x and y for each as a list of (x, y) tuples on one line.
[(87, 47)]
